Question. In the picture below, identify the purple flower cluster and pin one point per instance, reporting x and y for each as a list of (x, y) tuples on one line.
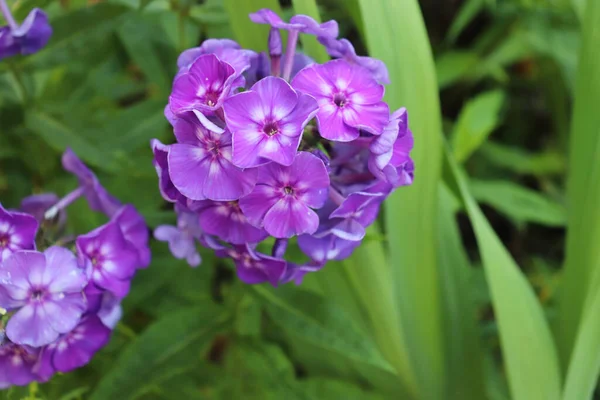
[(60, 307), (279, 163), (27, 38)]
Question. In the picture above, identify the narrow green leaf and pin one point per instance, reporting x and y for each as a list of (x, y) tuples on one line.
[(310, 44), (478, 118), (583, 187), (549, 162), (468, 11), (247, 33), (527, 345), (172, 342), (394, 29), (454, 65), (519, 203)]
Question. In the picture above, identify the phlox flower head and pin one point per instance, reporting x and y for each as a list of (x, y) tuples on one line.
[(278, 163), (27, 38)]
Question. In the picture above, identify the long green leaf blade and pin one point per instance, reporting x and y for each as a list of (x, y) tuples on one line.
[(394, 29)]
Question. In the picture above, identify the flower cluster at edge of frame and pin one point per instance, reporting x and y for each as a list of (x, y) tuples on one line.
[(60, 294), (26, 38), (279, 163)]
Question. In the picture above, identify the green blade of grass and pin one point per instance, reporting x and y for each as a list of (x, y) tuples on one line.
[(527, 346), (583, 187), (395, 29)]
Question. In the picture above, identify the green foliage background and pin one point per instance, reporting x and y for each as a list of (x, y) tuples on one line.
[(481, 281)]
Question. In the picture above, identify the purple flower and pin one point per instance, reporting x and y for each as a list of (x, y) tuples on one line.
[(135, 232), (267, 122), (28, 38), (227, 221), (260, 67), (37, 204), (302, 23), (204, 86), (200, 164), (225, 49), (161, 153), (182, 239), (46, 290), (281, 199), (253, 267), (110, 311), (17, 364), (324, 248), (390, 152), (349, 99), (343, 49), (17, 232), (98, 198), (109, 258), (74, 349), (295, 273)]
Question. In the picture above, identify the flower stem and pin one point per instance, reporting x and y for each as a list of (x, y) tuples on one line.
[(18, 78), (8, 15), (290, 51), (64, 202)]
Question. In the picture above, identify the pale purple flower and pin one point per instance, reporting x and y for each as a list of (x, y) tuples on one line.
[(227, 221), (225, 49), (161, 153), (45, 289), (267, 122), (97, 196), (203, 87), (253, 267), (301, 23), (283, 197), (200, 164), (28, 38), (342, 48), (17, 232), (17, 365), (349, 99), (75, 348), (182, 238), (325, 248), (135, 232), (37, 205), (295, 273), (390, 152), (109, 258), (110, 311)]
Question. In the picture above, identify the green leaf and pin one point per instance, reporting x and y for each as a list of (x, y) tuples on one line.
[(519, 203), (310, 44), (321, 388), (60, 136), (454, 65), (172, 342), (247, 33), (394, 29), (527, 345), (549, 162), (478, 118), (468, 11), (582, 262)]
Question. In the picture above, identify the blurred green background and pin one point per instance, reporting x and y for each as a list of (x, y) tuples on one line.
[(479, 282)]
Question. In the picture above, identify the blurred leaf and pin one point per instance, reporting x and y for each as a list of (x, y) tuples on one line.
[(478, 118), (394, 29), (463, 342), (468, 11), (171, 343), (518, 203), (247, 33), (454, 65), (321, 388), (582, 264), (310, 44), (60, 136), (518, 160), (527, 346)]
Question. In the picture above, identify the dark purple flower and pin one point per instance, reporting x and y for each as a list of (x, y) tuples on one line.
[(225, 49), (135, 232), (342, 48), (74, 349), (200, 164), (109, 258), (37, 205), (390, 152), (46, 290), (182, 238), (349, 99), (227, 221), (17, 232), (301, 23), (28, 38), (283, 197), (17, 364), (253, 267), (98, 198), (161, 153), (204, 86), (267, 122)]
